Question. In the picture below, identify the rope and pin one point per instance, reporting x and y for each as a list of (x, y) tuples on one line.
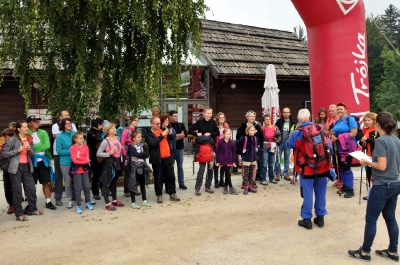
[(373, 20)]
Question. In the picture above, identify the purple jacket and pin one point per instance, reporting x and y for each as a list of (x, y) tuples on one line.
[(226, 152)]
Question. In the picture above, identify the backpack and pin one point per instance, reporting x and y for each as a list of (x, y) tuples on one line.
[(313, 155), (4, 162), (359, 134), (203, 151)]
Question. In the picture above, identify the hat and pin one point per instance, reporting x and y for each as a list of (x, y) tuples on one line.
[(33, 118)]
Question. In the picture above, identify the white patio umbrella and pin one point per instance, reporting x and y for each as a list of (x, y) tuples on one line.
[(270, 98)]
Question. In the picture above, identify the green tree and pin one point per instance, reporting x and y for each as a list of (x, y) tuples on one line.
[(391, 25), (388, 92), (100, 55), (299, 32)]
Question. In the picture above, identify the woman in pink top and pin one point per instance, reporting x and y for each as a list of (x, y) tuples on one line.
[(222, 124), (125, 141), (271, 135), (80, 169), (110, 149)]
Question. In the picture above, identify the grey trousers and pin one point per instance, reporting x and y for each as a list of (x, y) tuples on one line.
[(81, 181), (67, 181), (23, 175), (200, 174), (58, 182)]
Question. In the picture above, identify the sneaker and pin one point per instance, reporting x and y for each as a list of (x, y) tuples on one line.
[(349, 193), (78, 209), (293, 180), (273, 182), (174, 198), (147, 204), (37, 212), (209, 190), (252, 189), (69, 205), (319, 220), (93, 202), (225, 190), (245, 191), (264, 183), (287, 178), (197, 192), (10, 210), (159, 199), (357, 254), (59, 203), (182, 187), (254, 185), (22, 218), (135, 206), (89, 206), (384, 253), (216, 185), (233, 191), (118, 203), (50, 206), (278, 178), (221, 184), (306, 223), (97, 197), (110, 207)]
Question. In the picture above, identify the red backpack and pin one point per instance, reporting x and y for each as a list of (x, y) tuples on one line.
[(312, 152), (204, 150)]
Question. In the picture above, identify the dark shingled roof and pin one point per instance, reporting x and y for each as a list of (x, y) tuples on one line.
[(239, 50)]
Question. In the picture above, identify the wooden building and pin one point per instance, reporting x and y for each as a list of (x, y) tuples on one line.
[(238, 55)]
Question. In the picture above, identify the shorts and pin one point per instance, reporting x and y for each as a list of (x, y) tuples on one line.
[(41, 173), (247, 163)]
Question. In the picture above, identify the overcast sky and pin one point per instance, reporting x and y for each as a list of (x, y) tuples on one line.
[(272, 14)]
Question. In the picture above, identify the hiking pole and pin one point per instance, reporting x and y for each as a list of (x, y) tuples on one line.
[(359, 198)]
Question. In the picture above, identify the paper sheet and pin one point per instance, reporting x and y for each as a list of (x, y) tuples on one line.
[(360, 155)]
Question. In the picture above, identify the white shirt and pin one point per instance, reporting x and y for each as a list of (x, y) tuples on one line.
[(56, 130)]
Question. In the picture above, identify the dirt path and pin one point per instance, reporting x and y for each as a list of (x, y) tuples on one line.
[(211, 229)]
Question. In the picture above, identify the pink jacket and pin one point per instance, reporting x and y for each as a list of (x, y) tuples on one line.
[(126, 139)]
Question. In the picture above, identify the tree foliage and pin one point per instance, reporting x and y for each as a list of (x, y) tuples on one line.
[(299, 32), (99, 55), (388, 92)]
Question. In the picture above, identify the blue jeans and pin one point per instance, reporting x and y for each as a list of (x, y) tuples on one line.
[(286, 153), (382, 199), (307, 188), (268, 160), (178, 156)]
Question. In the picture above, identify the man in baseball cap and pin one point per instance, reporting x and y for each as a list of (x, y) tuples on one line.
[(41, 161)]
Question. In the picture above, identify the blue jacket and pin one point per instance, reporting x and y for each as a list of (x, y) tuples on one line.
[(64, 142)]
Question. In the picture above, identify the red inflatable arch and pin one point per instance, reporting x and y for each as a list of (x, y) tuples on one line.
[(337, 50)]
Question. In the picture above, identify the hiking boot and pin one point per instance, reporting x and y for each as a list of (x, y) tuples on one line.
[(159, 199), (357, 254), (10, 210), (209, 190), (233, 191), (385, 254), (344, 188), (287, 178), (59, 203), (306, 223), (135, 206), (278, 178), (110, 207), (216, 185), (182, 187), (349, 193), (252, 189), (89, 206), (197, 192), (78, 209), (254, 185), (118, 203), (225, 190), (319, 220), (96, 197), (264, 183), (245, 191), (174, 198), (50, 206)]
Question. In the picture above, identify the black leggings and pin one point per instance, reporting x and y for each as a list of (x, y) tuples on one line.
[(227, 170), (140, 181), (112, 188)]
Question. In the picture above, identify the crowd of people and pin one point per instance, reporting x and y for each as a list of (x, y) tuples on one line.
[(26, 159)]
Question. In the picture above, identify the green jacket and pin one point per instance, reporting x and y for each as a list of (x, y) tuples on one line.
[(44, 145)]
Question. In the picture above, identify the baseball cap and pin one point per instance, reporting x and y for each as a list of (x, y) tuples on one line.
[(33, 118)]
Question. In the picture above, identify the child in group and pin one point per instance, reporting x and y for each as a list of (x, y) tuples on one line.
[(225, 158), (80, 170), (139, 170), (248, 144)]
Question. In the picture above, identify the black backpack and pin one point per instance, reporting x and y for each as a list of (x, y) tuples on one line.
[(359, 134)]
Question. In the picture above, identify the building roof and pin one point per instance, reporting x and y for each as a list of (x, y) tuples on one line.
[(239, 50)]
